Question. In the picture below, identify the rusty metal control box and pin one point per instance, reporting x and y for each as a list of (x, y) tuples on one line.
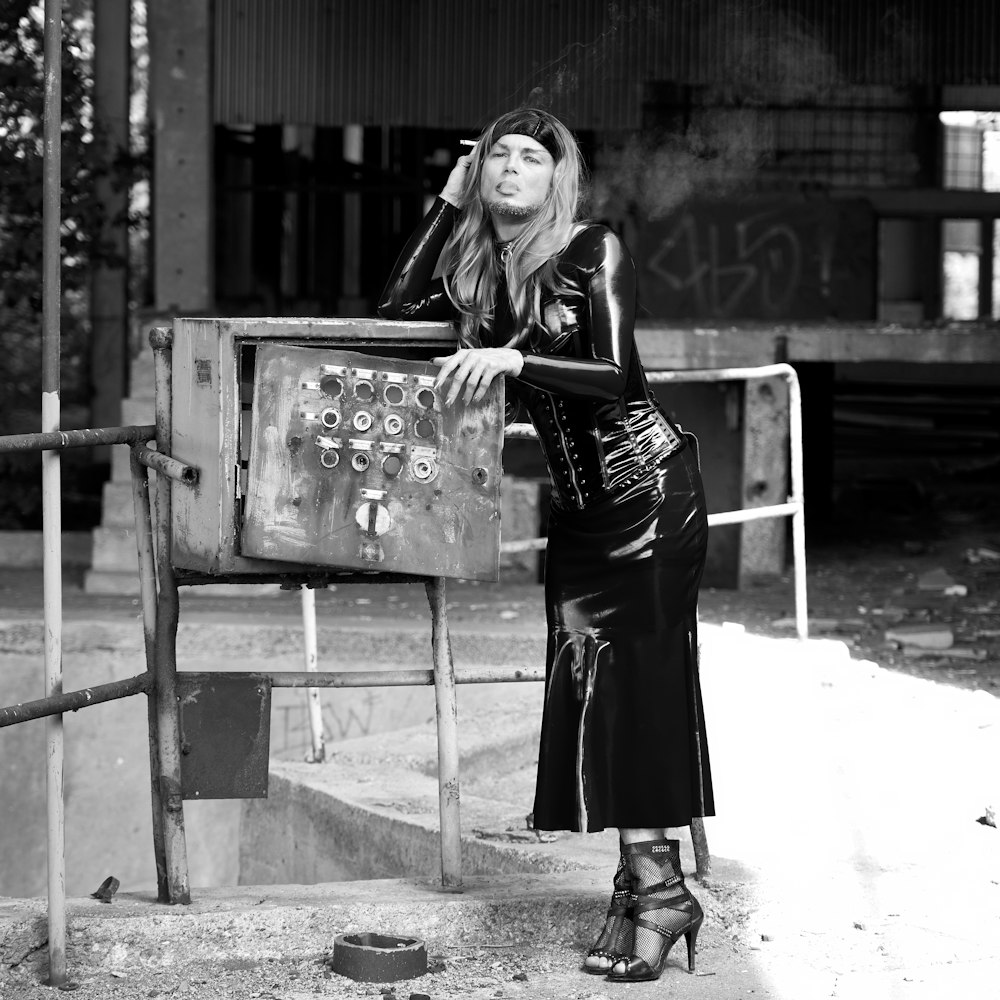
[(324, 443), (355, 461)]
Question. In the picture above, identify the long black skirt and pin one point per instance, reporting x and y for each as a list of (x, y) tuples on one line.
[(623, 739)]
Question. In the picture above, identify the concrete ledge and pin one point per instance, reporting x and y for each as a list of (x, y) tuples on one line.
[(23, 549), (294, 921), (344, 647)]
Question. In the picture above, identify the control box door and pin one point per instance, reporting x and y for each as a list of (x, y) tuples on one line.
[(355, 462)]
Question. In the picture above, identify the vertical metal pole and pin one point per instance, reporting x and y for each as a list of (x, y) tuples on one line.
[(51, 487), (147, 592), (313, 703), (447, 734), (798, 497), (165, 653), (702, 855)]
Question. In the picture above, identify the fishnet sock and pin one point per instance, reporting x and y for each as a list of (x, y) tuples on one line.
[(615, 939), (664, 902)]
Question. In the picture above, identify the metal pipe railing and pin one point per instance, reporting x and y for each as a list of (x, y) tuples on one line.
[(86, 438), (399, 678), (446, 706), (147, 591), (71, 701), (52, 484), (311, 656), (168, 734), (170, 467)]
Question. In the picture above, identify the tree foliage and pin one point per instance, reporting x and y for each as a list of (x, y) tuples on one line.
[(21, 146)]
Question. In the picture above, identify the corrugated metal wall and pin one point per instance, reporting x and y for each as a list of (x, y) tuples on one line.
[(456, 63)]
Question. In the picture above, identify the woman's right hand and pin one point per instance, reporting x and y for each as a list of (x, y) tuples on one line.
[(455, 185)]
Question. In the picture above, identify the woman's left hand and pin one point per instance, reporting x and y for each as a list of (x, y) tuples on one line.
[(474, 369)]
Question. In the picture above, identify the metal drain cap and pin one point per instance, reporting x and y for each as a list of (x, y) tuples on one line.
[(378, 958)]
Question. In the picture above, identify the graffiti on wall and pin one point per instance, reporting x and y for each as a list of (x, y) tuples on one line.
[(763, 259)]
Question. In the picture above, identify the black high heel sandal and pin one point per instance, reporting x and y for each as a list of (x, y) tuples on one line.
[(663, 911), (615, 940)]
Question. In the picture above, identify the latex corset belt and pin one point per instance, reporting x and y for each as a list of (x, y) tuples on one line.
[(597, 452)]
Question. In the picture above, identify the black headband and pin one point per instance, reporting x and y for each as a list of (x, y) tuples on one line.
[(531, 128), (548, 141)]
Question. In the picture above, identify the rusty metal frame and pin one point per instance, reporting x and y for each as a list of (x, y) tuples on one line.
[(56, 702), (160, 610)]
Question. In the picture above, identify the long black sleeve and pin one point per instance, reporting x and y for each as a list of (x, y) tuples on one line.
[(596, 261), (607, 276), (411, 291)]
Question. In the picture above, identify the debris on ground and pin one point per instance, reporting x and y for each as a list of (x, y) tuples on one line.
[(938, 579), (982, 553), (106, 890), (955, 654), (921, 636)]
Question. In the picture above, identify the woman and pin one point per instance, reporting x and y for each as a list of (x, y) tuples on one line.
[(549, 303)]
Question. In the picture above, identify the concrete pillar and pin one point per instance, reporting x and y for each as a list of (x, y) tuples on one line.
[(765, 476), (180, 109), (109, 284), (180, 114), (351, 303)]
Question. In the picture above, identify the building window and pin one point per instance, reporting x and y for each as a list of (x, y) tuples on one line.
[(970, 261)]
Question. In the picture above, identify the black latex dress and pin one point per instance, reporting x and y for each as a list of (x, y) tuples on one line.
[(623, 741)]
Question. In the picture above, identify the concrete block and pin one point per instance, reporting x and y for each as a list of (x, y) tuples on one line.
[(111, 582), (114, 550), (923, 636), (138, 411), (117, 510), (765, 476), (519, 520)]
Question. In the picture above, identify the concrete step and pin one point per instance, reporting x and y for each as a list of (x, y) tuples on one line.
[(287, 923), (117, 509), (114, 550)]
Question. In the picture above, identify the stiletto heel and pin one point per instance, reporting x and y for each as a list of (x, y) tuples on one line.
[(615, 940), (690, 936), (663, 911)]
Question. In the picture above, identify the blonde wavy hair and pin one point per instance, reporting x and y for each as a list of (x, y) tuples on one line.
[(471, 266)]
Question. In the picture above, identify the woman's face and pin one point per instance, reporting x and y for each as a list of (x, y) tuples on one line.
[(516, 176)]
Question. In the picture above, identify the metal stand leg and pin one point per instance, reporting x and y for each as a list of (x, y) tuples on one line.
[(147, 591), (702, 857), (313, 702), (447, 733), (165, 654)]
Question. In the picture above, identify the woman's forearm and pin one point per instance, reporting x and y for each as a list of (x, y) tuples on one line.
[(411, 291)]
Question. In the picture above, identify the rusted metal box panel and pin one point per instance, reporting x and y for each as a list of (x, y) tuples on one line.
[(212, 375), (225, 735), (355, 462)]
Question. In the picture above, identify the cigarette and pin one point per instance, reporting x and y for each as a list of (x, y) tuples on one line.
[(467, 142)]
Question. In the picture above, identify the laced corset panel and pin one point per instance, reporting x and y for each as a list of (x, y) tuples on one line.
[(595, 449)]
